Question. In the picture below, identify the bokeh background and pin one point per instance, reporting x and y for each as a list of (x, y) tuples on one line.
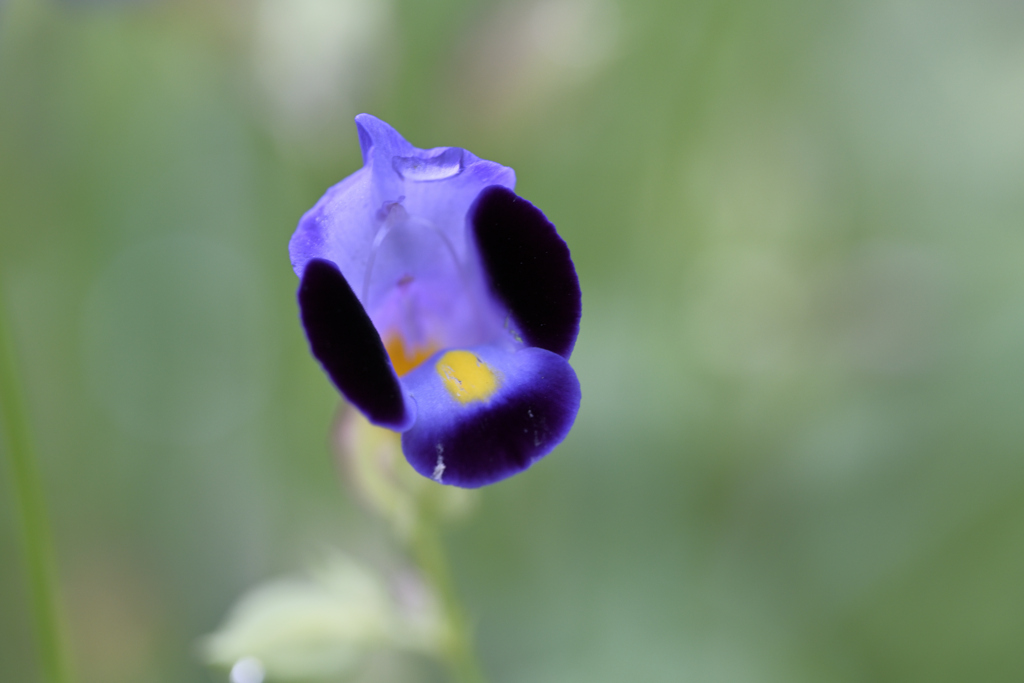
[(798, 229)]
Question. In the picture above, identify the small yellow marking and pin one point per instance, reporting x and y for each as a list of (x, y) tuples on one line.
[(466, 377), (402, 360)]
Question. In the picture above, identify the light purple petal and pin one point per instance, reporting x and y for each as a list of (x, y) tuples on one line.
[(339, 228), (397, 231), (435, 185)]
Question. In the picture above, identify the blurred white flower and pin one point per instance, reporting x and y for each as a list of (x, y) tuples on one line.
[(247, 670), (323, 625)]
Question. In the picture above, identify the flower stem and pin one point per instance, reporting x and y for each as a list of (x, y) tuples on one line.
[(31, 507), (429, 552)]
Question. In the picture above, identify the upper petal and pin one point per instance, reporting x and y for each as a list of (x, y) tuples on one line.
[(434, 188), (380, 143), (445, 204), (339, 228)]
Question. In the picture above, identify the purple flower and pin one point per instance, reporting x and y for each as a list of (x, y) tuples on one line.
[(442, 306)]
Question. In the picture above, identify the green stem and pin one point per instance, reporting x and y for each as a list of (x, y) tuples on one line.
[(31, 507), (429, 552)]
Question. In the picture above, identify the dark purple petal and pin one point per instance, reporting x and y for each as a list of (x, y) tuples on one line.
[(520, 419), (529, 268), (344, 340)]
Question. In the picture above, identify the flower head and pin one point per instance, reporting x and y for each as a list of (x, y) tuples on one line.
[(442, 306)]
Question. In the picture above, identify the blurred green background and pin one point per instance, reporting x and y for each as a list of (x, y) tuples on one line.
[(797, 226)]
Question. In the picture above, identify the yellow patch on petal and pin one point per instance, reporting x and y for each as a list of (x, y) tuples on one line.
[(466, 377), (404, 361)]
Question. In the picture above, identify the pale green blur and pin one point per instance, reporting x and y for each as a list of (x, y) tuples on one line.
[(799, 230)]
